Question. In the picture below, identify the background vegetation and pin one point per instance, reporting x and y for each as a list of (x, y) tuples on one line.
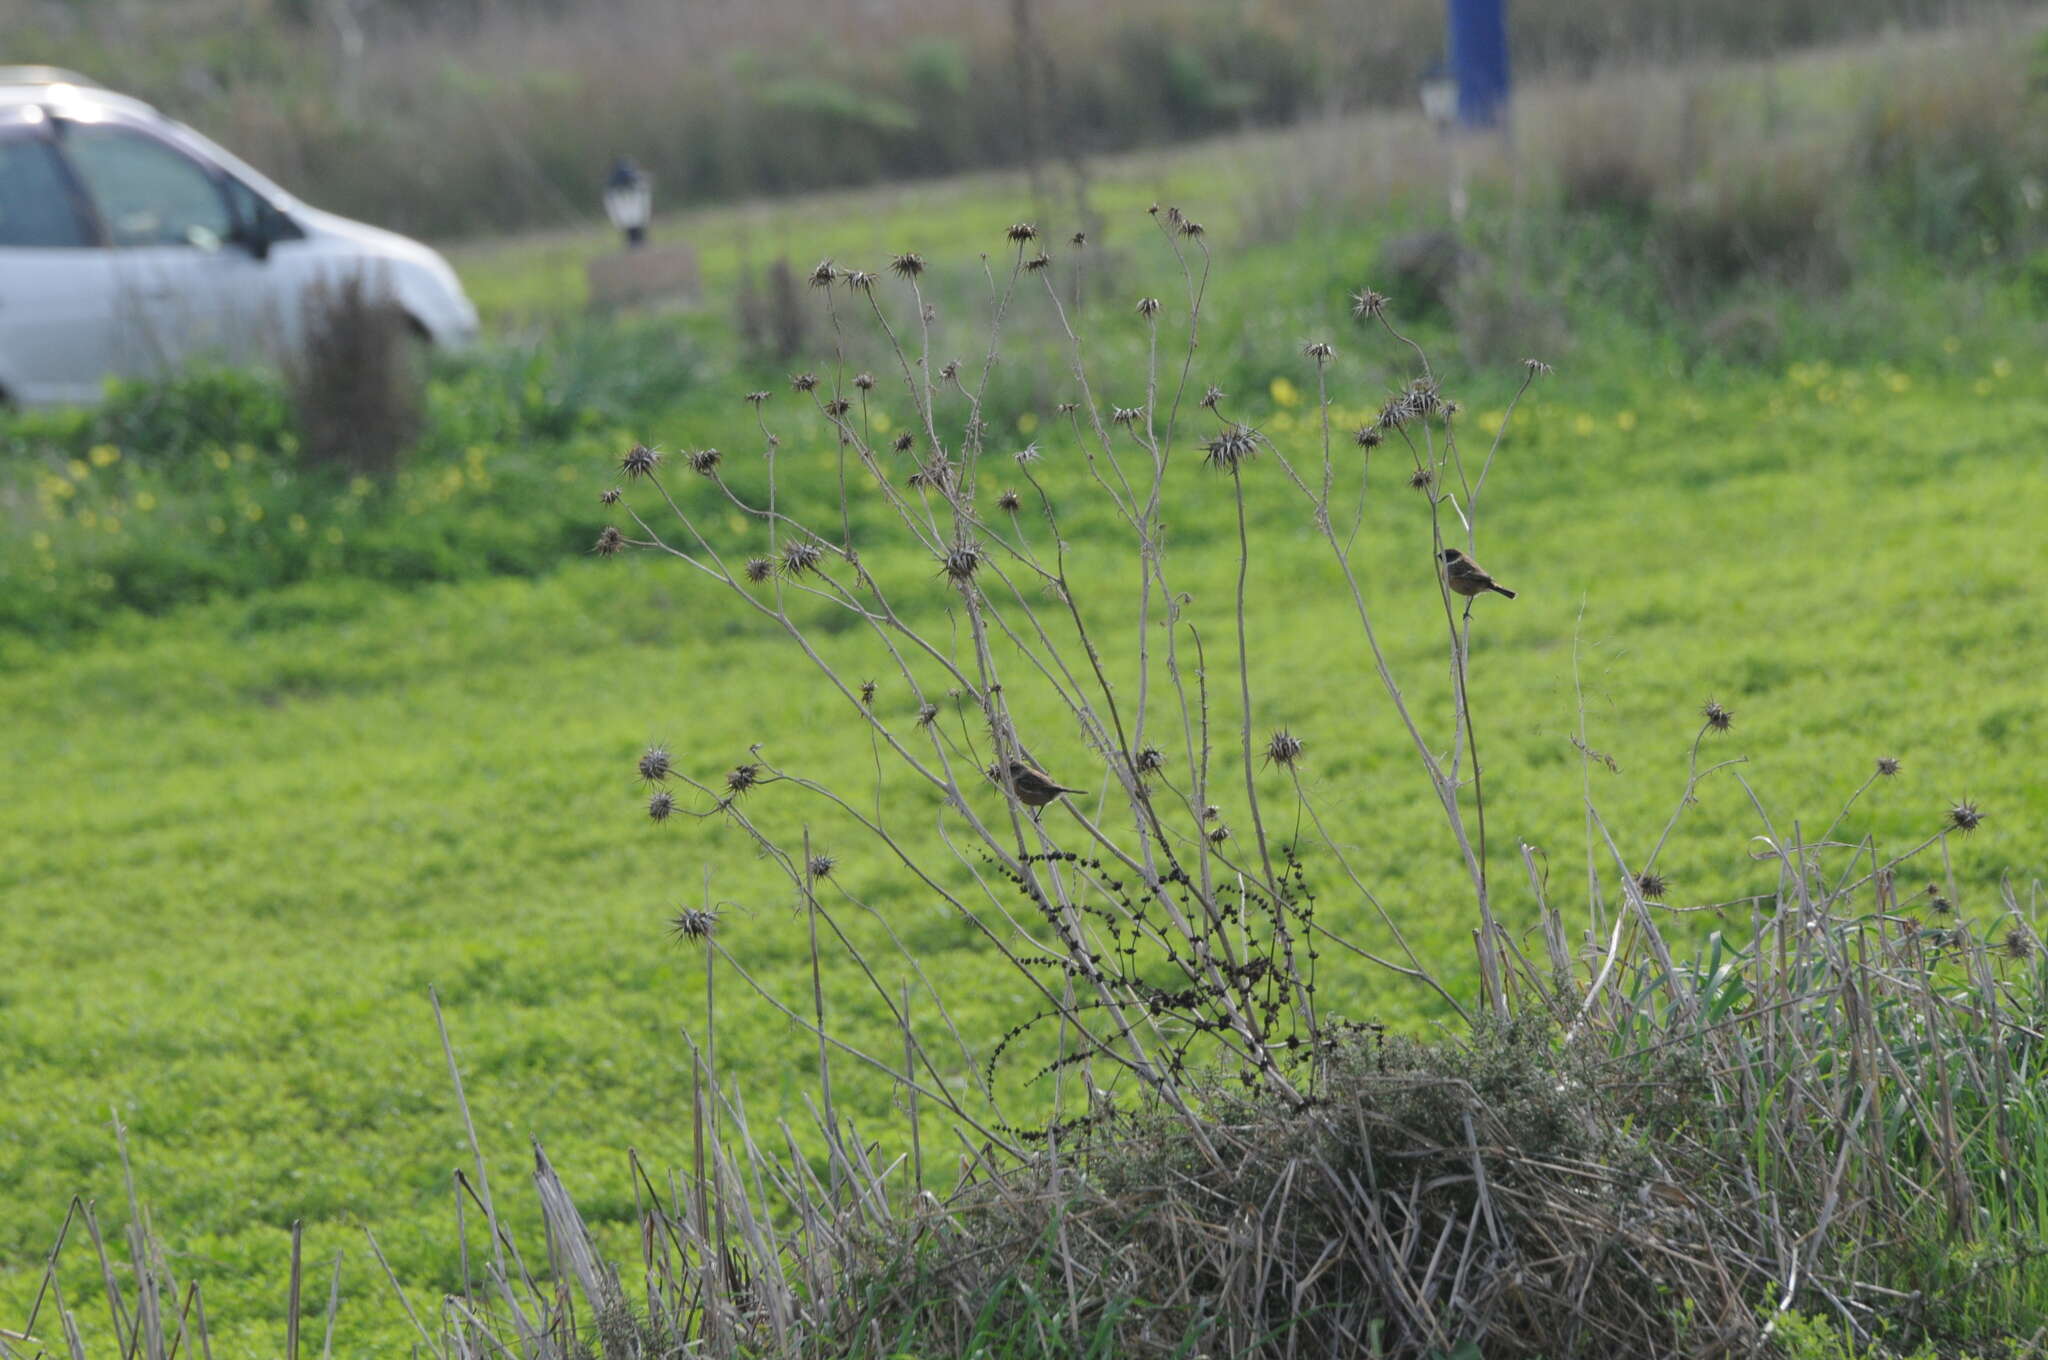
[(364, 737)]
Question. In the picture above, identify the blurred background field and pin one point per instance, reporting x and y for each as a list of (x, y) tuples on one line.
[(288, 745)]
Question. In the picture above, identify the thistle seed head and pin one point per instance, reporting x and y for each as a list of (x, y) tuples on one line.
[(693, 924), (904, 442), (1009, 501), (1537, 368), (759, 569), (1887, 766), (1937, 902), (1126, 415), (1078, 239), (2017, 945), (961, 562), (1368, 305), (949, 370), (705, 461), (803, 382), (864, 381), (860, 280), (1425, 397), (927, 714), (609, 496), (1020, 232), (1038, 262), (1368, 437), (654, 764), (1422, 479), (1319, 350), (1233, 446), (838, 406), (821, 866), (936, 475), (801, 555), (1148, 307), (741, 778), (1027, 455), (1189, 227), (660, 805), (639, 461), (1284, 749), (756, 398), (1965, 817), (1212, 396), (1067, 408), (1149, 760), (867, 693), (908, 265), (1218, 834), (823, 273), (1652, 886), (609, 541), (1719, 718)]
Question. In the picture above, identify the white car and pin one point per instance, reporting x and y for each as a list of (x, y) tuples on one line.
[(131, 245)]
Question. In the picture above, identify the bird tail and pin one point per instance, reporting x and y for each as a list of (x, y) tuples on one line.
[(1495, 585)]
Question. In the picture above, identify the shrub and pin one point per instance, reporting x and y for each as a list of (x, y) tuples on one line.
[(356, 381)]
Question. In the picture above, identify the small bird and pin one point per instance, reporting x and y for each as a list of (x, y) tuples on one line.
[(1034, 787), (1467, 577)]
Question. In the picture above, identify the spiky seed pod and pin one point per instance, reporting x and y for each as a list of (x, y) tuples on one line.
[(1126, 415), (655, 764), (609, 496), (1232, 447), (661, 804), (799, 556), (1009, 501), (1422, 479), (961, 562), (2017, 945), (823, 274), (803, 382), (1450, 411), (908, 265), (1150, 760), (864, 381), (821, 866), (1719, 719), (930, 313), (1936, 902), (740, 778), (1211, 396), (640, 461), (1020, 232), (756, 398), (1425, 398), (1319, 350), (693, 924), (705, 461), (1652, 886), (904, 441), (1887, 766), (1190, 227), (1211, 813), (1284, 749), (867, 693), (837, 407), (1368, 305), (1395, 413), (1536, 367), (759, 569), (1368, 437), (1218, 834), (949, 370), (1027, 455), (927, 714), (1148, 307), (860, 280), (1038, 262), (1965, 817), (609, 541), (1078, 239), (1067, 408)]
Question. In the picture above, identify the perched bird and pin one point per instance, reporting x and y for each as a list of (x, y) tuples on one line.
[(1467, 577), (1034, 787)]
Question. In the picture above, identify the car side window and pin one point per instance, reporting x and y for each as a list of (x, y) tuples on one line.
[(38, 207), (253, 212), (148, 194)]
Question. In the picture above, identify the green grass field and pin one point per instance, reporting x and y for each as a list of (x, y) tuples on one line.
[(243, 838)]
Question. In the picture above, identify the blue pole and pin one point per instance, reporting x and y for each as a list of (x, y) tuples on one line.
[(1479, 60)]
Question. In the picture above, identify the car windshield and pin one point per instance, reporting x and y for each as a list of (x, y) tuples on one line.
[(36, 205), (148, 194)]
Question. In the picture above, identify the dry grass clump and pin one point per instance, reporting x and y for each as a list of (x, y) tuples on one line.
[(356, 382)]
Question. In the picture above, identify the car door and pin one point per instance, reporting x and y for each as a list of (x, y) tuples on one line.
[(186, 293), (59, 332)]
